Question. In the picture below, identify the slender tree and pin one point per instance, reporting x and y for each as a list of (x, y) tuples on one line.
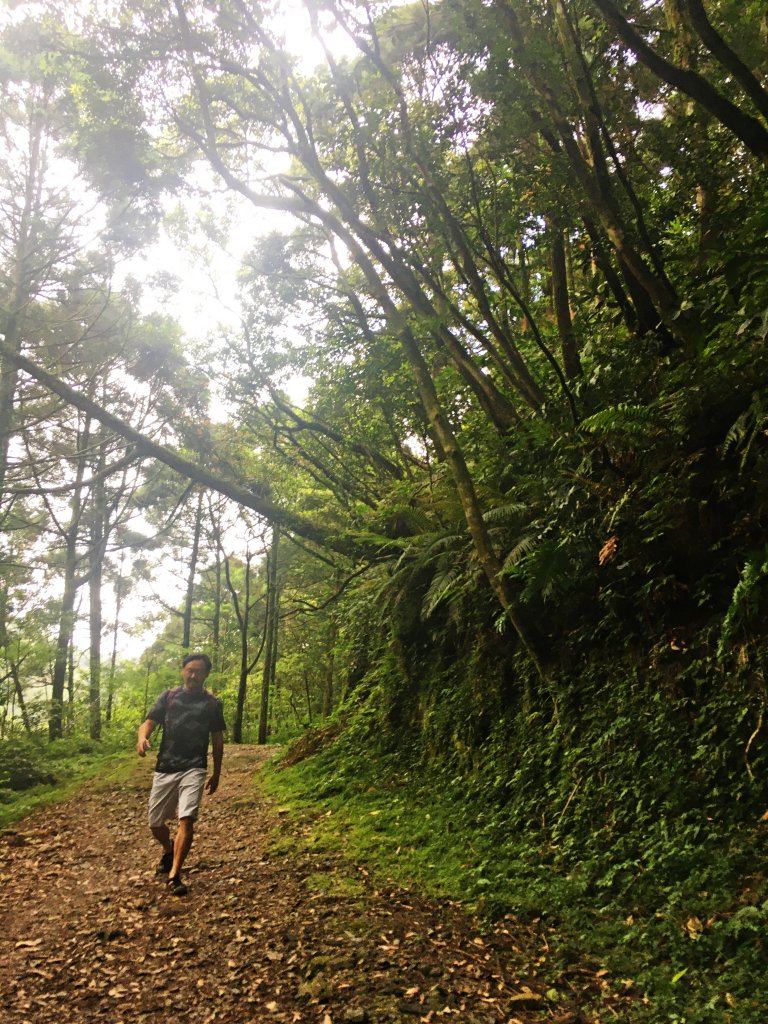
[(271, 633)]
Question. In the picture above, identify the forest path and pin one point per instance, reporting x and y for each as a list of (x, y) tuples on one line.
[(88, 933)]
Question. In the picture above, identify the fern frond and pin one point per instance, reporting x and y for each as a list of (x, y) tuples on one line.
[(617, 508), (521, 550), (742, 434), (743, 599), (737, 433), (632, 420), (501, 515), (420, 551), (415, 518), (444, 542), (546, 571), (444, 586)]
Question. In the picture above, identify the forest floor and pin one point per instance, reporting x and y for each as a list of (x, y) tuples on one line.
[(271, 930)]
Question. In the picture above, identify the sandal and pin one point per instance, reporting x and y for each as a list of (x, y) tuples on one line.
[(166, 863), (176, 887)]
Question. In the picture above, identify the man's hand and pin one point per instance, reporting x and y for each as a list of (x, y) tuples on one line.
[(146, 729), (212, 785)]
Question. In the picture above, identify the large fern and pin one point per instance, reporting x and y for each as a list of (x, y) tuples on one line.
[(524, 546), (503, 515), (750, 425), (624, 421), (443, 553), (743, 600), (447, 583), (545, 569)]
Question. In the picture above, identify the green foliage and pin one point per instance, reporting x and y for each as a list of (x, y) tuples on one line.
[(745, 600), (750, 426), (34, 772), (628, 820), (546, 569), (517, 457), (636, 421), (23, 764)]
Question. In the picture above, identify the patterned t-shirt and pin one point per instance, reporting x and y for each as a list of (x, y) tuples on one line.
[(188, 718)]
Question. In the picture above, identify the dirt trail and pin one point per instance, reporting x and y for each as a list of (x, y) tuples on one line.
[(87, 933)]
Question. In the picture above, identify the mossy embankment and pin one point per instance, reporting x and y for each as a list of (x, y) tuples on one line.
[(628, 826)]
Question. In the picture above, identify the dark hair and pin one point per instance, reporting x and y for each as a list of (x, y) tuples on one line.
[(198, 657)]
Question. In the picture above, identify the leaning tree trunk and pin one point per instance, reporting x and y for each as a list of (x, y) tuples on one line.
[(752, 133)]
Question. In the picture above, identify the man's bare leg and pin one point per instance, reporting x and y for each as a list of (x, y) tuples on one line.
[(182, 844), (163, 835)]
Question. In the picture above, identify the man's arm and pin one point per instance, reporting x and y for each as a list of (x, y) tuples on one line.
[(145, 731), (217, 748)]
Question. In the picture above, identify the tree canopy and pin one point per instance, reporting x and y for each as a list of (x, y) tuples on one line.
[(481, 455)]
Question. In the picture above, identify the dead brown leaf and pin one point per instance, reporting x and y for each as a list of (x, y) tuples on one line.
[(608, 550)]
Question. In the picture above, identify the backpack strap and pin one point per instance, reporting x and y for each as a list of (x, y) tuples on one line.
[(172, 695)]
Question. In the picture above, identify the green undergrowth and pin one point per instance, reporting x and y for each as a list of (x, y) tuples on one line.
[(635, 834), (394, 829), (35, 773)]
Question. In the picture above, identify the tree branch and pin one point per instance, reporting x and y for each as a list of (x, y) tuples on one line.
[(744, 126), (144, 446)]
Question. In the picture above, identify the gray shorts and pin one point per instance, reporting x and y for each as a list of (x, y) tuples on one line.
[(175, 794)]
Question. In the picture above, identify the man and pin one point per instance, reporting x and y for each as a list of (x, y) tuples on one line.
[(188, 714)]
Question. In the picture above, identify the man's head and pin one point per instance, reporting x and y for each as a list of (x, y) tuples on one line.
[(195, 669)]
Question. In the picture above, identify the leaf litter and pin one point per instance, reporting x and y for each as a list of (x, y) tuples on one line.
[(89, 934)]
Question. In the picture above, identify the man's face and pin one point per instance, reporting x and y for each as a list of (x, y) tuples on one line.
[(194, 674)]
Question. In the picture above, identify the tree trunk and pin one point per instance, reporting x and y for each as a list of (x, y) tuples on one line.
[(270, 628), (119, 594), (189, 597), (562, 306), (683, 40), (21, 286), (601, 263), (595, 181), (729, 59), (244, 619), (328, 674), (217, 598), (25, 719), (308, 696), (95, 579), (143, 446), (486, 556), (71, 682), (10, 325), (13, 663), (67, 610)]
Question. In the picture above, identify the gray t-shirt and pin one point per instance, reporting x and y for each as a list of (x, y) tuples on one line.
[(188, 718)]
